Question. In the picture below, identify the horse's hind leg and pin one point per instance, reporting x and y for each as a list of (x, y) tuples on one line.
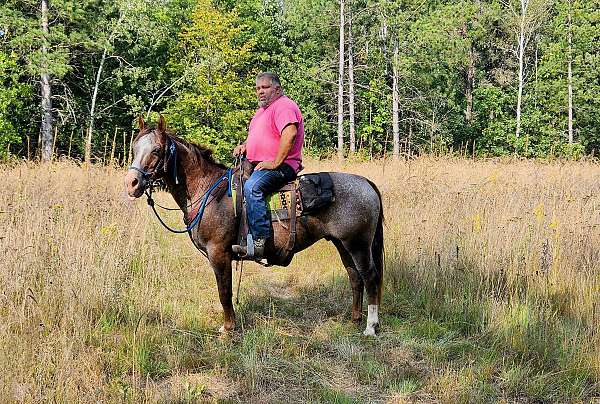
[(365, 264), (356, 281)]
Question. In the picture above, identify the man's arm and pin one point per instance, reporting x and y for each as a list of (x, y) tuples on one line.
[(288, 135)]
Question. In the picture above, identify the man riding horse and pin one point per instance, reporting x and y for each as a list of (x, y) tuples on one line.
[(274, 147), (353, 222)]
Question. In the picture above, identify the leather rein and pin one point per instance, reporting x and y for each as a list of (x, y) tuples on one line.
[(171, 151)]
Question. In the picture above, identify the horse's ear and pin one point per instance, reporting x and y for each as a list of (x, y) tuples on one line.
[(162, 125), (141, 123)]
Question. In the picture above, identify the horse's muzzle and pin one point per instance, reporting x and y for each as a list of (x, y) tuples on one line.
[(134, 184)]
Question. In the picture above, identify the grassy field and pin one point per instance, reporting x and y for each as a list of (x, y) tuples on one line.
[(492, 293)]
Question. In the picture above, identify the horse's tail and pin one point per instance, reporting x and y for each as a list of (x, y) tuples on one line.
[(377, 248)]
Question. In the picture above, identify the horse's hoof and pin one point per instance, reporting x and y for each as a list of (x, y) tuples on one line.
[(369, 332), (226, 329)]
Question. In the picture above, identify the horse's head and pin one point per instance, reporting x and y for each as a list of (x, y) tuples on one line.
[(151, 158)]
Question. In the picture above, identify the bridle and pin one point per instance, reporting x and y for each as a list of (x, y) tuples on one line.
[(169, 163), (152, 176), (146, 175)]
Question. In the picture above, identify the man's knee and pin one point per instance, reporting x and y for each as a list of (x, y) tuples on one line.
[(252, 189)]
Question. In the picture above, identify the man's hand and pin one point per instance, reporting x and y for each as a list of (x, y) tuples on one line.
[(265, 165), (239, 150)]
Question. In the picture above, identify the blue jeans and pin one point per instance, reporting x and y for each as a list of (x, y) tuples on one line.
[(260, 185)]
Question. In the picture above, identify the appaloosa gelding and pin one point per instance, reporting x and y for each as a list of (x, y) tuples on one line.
[(353, 222)]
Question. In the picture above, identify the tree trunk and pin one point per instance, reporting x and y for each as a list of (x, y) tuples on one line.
[(351, 88), (370, 132), (469, 76), (88, 141), (570, 73), (340, 135), (536, 75), (47, 138), (395, 108), (521, 55), (383, 36), (470, 85), (409, 147)]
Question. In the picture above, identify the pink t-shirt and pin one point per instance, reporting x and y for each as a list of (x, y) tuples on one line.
[(265, 130)]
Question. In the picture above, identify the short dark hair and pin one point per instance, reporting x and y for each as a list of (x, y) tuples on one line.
[(274, 78)]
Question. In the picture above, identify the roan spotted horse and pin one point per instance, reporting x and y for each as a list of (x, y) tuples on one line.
[(198, 184)]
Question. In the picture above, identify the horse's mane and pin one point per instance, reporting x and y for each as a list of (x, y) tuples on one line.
[(199, 154)]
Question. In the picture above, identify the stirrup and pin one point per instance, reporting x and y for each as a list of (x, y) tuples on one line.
[(253, 250)]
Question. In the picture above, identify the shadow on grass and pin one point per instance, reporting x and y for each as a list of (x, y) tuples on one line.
[(450, 334), (512, 334), (446, 335)]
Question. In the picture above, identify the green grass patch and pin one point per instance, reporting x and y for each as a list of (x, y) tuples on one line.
[(331, 396)]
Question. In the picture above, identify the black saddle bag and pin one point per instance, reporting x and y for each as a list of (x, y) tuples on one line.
[(316, 191)]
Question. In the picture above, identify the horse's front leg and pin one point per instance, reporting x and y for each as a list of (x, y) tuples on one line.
[(220, 260)]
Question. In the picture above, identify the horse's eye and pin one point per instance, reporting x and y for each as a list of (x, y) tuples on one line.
[(156, 152)]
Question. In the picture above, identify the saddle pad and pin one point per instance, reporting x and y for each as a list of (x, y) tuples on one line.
[(279, 203)]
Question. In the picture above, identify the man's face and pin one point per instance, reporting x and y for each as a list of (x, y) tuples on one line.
[(266, 92)]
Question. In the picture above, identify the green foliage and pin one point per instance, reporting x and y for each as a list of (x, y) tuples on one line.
[(196, 61), (12, 96), (214, 105)]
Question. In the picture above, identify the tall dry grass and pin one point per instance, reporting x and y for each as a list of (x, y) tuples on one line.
[(509, 248), (492, 292)]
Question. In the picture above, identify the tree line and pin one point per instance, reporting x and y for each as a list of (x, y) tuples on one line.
[(373, 78)]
